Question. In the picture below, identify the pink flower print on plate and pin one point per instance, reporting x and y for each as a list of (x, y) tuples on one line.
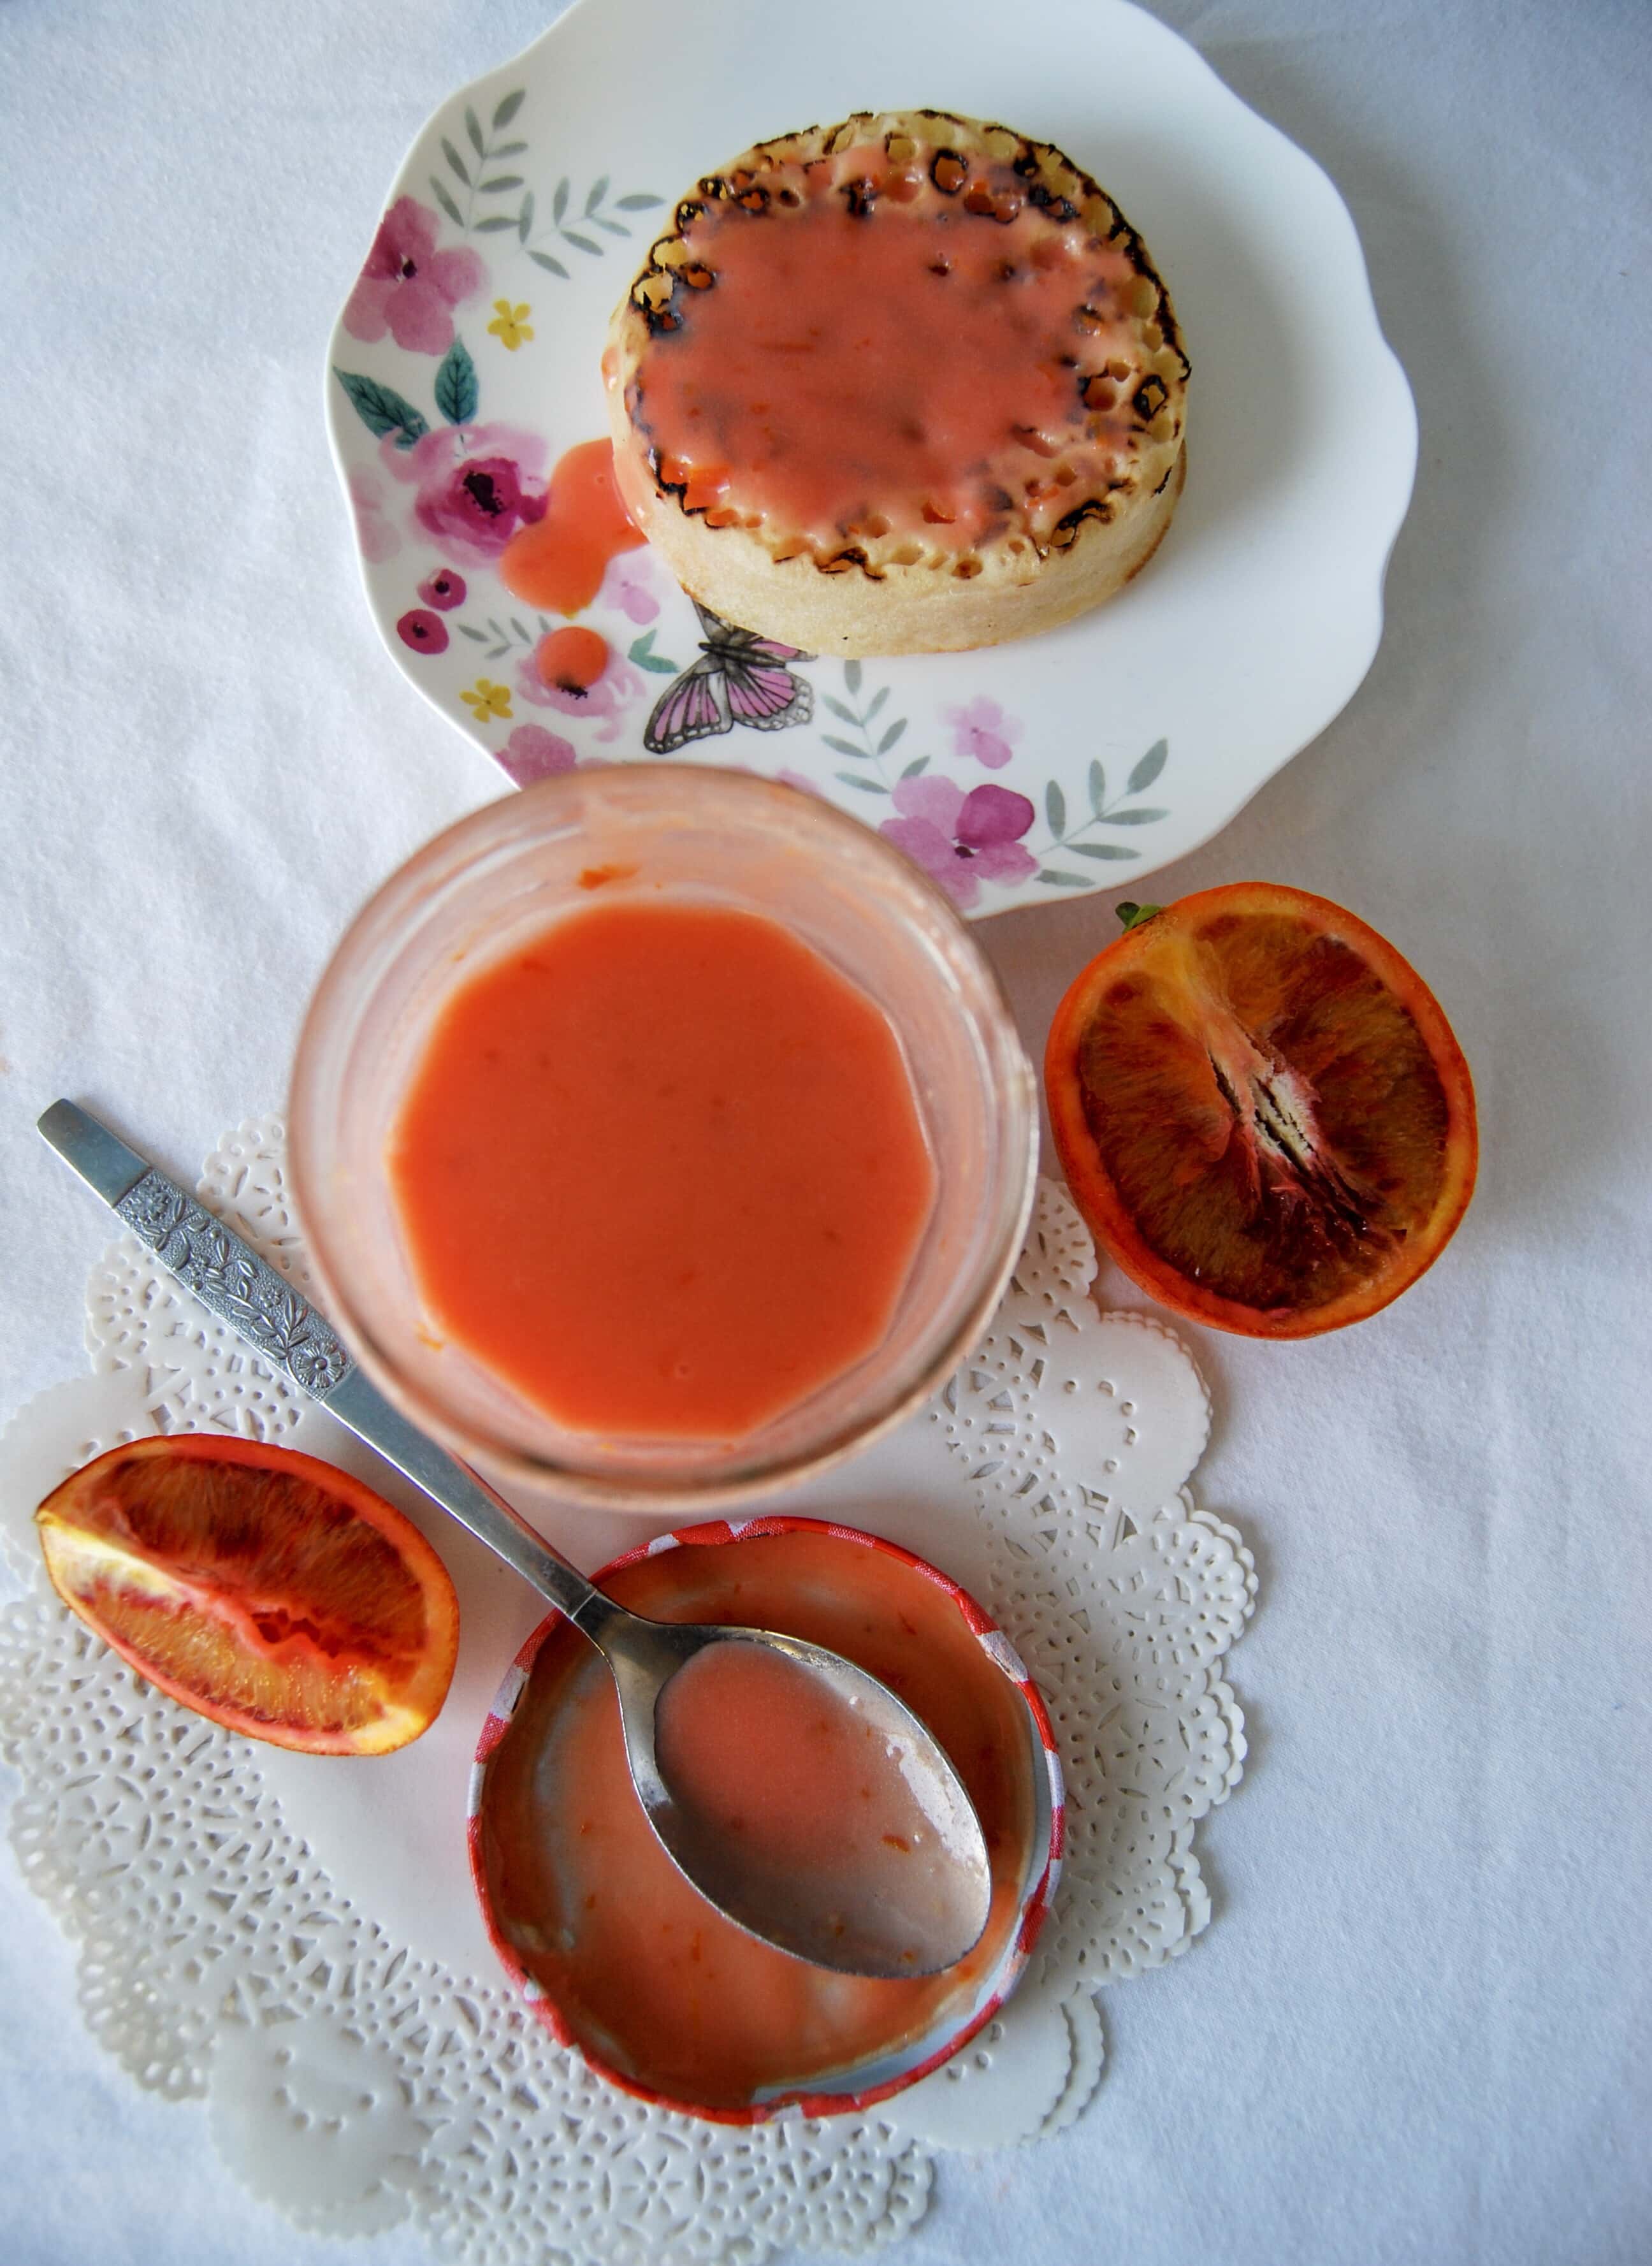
[(444, 590), (375, 534), (962, 839), (532, 753), (608, 698), (422, 631), (984, 731), (477, 485), (407, 287), (627, 586)]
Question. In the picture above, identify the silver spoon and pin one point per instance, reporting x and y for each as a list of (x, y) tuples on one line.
[(802, 1914)]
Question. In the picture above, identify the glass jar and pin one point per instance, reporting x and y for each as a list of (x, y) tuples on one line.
[(687, 835)]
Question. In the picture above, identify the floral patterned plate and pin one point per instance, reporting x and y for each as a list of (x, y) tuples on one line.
[(465, 362)]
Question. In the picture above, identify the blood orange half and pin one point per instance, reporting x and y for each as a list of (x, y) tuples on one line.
[(1261, 1111), (265, 1589)]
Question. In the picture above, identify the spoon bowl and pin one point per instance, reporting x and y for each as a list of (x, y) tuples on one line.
[(898, 1885), (776, 1901)]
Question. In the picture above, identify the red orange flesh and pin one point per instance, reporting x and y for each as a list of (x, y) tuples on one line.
[(1261, 1111), (263, 1589)]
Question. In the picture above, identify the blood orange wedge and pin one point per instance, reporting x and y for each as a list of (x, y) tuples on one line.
[(267, 1591), (1262, 1110)]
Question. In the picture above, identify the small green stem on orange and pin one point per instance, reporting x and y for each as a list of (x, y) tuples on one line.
[(1132, 916)]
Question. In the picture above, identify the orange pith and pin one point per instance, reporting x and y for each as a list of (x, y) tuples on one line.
[(1263, 1111), (265, 1589)]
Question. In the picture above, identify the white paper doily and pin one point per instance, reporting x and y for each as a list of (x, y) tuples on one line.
[(295, 1938)]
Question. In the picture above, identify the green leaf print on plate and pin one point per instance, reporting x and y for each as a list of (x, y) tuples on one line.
[(457, 389), (479, 212), (382, 409), (1103, 812)]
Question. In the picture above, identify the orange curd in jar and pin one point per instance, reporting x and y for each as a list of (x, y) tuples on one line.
[(662, 1169)]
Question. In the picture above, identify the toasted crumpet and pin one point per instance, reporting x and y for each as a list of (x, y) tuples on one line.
[(907, 383)]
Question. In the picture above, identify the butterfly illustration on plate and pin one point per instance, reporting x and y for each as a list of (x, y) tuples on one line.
[(739, 678)]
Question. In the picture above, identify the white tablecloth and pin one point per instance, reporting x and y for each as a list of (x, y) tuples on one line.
[(1418, 2027)]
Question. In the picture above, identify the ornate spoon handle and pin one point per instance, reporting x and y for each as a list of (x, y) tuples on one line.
[(279, 1323)]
